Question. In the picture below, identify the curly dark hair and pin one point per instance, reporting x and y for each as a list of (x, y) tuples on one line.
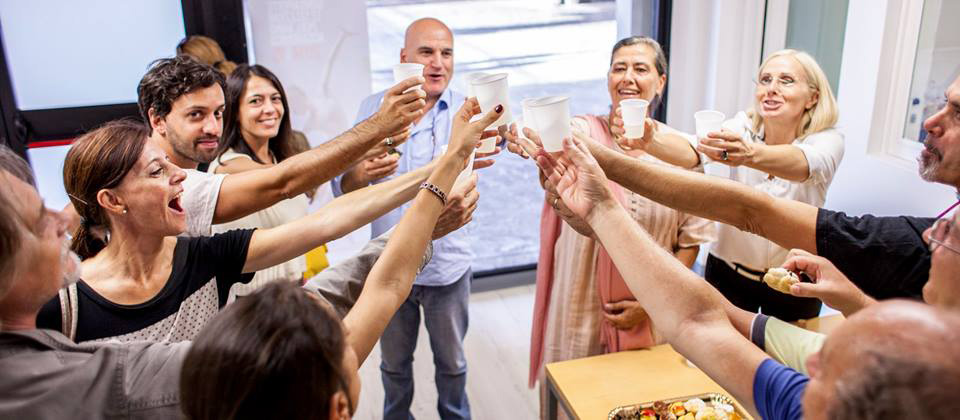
[(170, 78)]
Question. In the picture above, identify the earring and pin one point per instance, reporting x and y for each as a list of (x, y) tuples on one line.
[(124, 211)]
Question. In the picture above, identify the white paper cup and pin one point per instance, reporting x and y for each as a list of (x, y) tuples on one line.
[(551, 116), (404, 71), (527, 121), (708, 121), (492, 90), (487, 144), (634, 113), (471, 92)]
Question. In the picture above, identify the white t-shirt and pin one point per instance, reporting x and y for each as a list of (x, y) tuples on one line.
[(200, 193), (823, 151)]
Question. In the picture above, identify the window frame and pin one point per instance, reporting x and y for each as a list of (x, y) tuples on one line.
[(899, 48)]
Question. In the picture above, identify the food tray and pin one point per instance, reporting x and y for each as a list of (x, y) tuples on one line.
[(631, 412)]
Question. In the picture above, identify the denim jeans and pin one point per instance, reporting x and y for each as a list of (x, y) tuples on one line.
[(445, 315)]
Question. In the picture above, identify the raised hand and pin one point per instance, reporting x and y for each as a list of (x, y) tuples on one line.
[(389, 144), (578, 178), (375, 168), (726, 147), (461, 203), (829, 284), (465, 135), (398, 109), (524, 146), (616, 128)]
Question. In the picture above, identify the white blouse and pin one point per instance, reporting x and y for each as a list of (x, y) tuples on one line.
[(284, 211), (823, 151)]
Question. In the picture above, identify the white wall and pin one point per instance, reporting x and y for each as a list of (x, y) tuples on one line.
[(715, 53), (872, 183), (320, 51)]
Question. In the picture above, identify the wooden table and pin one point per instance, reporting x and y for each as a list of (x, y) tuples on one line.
[(590, 387)]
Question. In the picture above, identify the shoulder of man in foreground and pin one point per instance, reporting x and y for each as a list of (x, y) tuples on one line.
[(116, 379)]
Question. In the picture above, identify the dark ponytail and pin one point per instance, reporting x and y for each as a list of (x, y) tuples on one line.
[(99, 160)]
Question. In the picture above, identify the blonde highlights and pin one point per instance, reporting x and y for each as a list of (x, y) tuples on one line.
[(824, 113)]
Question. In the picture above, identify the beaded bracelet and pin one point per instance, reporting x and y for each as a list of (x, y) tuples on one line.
[(435, 190)]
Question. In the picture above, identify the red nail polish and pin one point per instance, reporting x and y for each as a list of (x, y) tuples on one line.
[(499, 109)]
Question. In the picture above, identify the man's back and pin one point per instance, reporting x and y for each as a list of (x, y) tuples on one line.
[(45, 375)]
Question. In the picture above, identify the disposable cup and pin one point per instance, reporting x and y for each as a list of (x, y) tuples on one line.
[(471, 92), (708, 121), (404, 71), (634, 113), (492, 90), (551, 116), (487, 144), (527, 121)]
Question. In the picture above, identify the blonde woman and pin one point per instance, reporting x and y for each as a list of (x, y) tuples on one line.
[(785, 145)]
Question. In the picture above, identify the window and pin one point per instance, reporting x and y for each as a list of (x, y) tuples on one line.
[(936, 64), (921, 45), (547, 49)]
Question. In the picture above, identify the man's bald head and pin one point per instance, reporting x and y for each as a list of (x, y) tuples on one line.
[(429, 41), (896, 359), (423, 25)]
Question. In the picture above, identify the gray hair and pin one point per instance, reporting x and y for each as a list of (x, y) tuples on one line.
[(11, 162), (660, 62), (897, 387)]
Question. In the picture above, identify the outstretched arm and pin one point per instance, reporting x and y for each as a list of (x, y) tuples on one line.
[(250, 191), (788, 223), (686, 309), (392, 276), (269, 247)]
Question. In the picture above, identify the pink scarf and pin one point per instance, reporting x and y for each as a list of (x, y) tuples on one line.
[(610, 284)]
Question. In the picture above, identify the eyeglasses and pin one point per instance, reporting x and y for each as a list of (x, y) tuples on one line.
[(938, 235), (768, 81)]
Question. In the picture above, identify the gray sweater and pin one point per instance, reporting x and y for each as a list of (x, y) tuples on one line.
[(45, 375)]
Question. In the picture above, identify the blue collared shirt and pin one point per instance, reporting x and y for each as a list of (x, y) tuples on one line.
[(452, 254)]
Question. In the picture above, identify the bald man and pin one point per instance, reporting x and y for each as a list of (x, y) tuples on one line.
[(443, 288)]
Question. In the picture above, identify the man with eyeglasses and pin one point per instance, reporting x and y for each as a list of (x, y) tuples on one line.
[(886, 257)]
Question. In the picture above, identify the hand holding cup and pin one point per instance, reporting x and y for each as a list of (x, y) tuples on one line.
[(400, 106)]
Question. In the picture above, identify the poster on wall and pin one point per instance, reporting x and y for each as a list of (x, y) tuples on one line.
[(319, 49)]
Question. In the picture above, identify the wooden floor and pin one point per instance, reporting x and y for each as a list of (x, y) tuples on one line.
[(497, 348)]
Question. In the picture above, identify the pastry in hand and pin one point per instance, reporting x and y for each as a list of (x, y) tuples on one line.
[(780, 279)]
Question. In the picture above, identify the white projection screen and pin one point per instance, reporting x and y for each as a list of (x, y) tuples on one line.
[(72, 53)]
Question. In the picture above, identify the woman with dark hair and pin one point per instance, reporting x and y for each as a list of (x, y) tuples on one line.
[(582, 304), (141, 281), (280, 353), (257, 134)]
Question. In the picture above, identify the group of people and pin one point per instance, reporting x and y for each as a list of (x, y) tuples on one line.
[(165, 290)]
